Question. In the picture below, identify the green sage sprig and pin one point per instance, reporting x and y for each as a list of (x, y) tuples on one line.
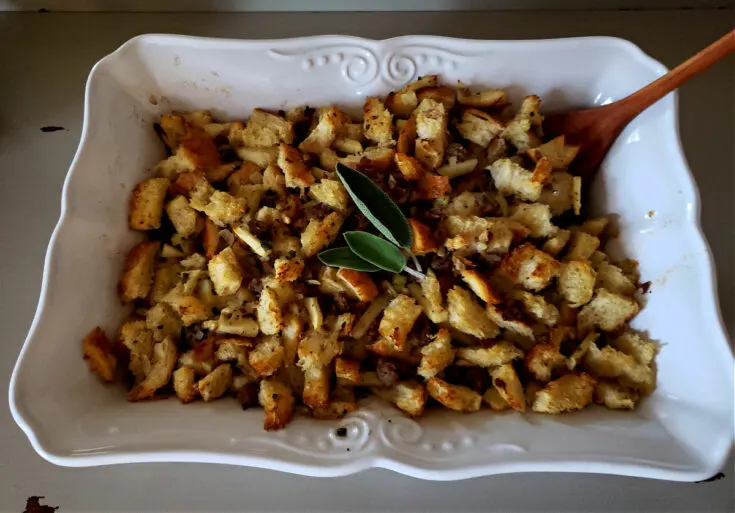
[(365, 251)]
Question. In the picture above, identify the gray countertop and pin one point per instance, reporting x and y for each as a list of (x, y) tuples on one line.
[(45, 59)]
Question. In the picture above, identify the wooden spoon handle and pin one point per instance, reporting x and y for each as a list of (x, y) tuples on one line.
[(644, 98)]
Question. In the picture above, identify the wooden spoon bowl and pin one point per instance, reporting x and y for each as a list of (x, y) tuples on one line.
[(596, 129)]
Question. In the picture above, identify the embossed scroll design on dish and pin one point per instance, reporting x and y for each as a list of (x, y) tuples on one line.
[(368, 429), (362, 66)]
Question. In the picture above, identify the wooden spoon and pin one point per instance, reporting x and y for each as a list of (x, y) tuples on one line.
[(597, 128)]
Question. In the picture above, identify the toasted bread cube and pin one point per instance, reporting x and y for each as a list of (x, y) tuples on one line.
[(225, 272), (408, 396), (265, 130), (429, 296), (487, 98), (198, 149), (493, 399), (182, 216), (146, 204), (137, 276), (331, 123), (571, 392), (556, 243), (508, 321), (319, 234), (407, 136), (401, 103), (581, 246), (608, 362), (454, 397), (536, 217), (353, 131), (442, 94), (191, 184), (410, 168), (558, 192), (496, 355), (423, 240), (378, 122), (431, 186), (347, 370), (184, 380), (480, 285), (559, 153), (98, 353), (210, 238), (543, 359), (538, 308), (430, 152), (317, 349), (288, 269), (216, 383), (173, 127), (233, 349), (341, 402), (615, 396), (506, 382), (316, 387), (478, 126), (610, 277), (277, 400), (191, 310), (431, 126), (139, 341), (270, 317), (632, 343), (164, 359), (262, 157), (267, 356), (437, 355), (294, 168), (607, 311), (595, 226), (398, 319), (468, 205), (342, 324), (348, 145), (529, 267), (388, 349), (512, 179), (579, 353), (372, 159), (467, 316), (577, 282), (358, 284), (235, 324), (162, 321), (222, 208), (330, 192), (520, 130)]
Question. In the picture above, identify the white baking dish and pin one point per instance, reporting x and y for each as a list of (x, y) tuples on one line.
[(683, 432)]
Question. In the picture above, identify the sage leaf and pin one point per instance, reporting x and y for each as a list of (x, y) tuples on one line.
[(376, 205), (377, 251), (345, 258)]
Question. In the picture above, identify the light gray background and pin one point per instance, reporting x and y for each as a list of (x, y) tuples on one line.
[(44, 61)]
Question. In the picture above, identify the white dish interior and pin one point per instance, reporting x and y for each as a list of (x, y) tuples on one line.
[(684, 431)]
